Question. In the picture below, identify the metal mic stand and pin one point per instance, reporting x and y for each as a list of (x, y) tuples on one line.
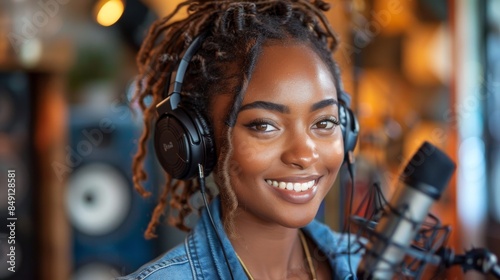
[(478, 259)]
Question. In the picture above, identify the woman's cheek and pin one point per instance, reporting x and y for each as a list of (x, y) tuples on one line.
[(333, 155), (251, 157), (246, 150)]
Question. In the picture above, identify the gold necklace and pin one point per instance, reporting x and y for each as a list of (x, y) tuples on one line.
[(306, 251)]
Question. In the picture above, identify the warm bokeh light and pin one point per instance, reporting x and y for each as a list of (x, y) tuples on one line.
[(163, 8), (108, 12)]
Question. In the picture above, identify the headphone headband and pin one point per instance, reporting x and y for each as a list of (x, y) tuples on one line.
[(176, 85), (172, 99)]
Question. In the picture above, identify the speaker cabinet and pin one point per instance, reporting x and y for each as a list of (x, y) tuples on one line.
[(108, 218)]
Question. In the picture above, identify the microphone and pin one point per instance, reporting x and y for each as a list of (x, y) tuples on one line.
[(423, 180)]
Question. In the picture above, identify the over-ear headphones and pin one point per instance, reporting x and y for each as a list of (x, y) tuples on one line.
[(183, 138)]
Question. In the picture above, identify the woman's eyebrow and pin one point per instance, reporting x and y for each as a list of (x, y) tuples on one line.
[(267, 106), (323, 103)]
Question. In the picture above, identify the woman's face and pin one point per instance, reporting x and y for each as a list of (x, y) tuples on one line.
[(287, 144)]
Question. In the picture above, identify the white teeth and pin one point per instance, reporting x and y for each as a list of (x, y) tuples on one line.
[(282, 185), (298, 187)]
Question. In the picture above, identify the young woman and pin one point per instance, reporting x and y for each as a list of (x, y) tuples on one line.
[(263, 86)]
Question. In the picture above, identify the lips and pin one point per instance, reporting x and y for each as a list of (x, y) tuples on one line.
[(295, 190)]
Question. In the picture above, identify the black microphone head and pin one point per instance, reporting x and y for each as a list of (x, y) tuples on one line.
[(429, 170)]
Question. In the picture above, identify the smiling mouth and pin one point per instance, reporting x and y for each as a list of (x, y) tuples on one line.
[(292, 186)]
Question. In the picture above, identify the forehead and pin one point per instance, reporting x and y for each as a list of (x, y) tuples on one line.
[(290, 71)]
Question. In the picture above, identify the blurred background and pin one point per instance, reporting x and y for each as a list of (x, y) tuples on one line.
[(417, 70)]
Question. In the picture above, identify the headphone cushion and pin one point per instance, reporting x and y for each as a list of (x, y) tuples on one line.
[(350, 128), (206, 133)]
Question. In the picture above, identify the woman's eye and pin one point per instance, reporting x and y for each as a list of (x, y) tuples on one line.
[(326, 124), (261, 127)]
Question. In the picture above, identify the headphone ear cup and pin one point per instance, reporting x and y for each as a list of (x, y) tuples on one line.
[(350, 129), (171, 146), (183, 140)]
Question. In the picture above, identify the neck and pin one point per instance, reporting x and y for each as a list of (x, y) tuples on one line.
[(269, 251)]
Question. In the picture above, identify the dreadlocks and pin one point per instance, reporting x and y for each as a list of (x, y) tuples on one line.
[(237, 31)]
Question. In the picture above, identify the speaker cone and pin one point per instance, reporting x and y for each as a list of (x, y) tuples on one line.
[(98, 199)]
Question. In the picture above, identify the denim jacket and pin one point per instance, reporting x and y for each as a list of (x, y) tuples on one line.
[(201, 256)]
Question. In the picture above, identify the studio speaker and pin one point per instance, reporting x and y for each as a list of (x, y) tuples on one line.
[(108, 218)]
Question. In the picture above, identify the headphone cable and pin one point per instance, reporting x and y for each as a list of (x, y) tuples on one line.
[(350, 168), (201, 178)]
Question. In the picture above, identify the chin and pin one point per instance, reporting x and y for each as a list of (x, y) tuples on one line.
[(297, 224), (300, 221)]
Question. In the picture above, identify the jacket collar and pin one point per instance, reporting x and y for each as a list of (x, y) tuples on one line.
[(208, 260), (211, 259)]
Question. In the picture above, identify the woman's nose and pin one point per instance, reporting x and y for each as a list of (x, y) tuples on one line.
[(300, 152)]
